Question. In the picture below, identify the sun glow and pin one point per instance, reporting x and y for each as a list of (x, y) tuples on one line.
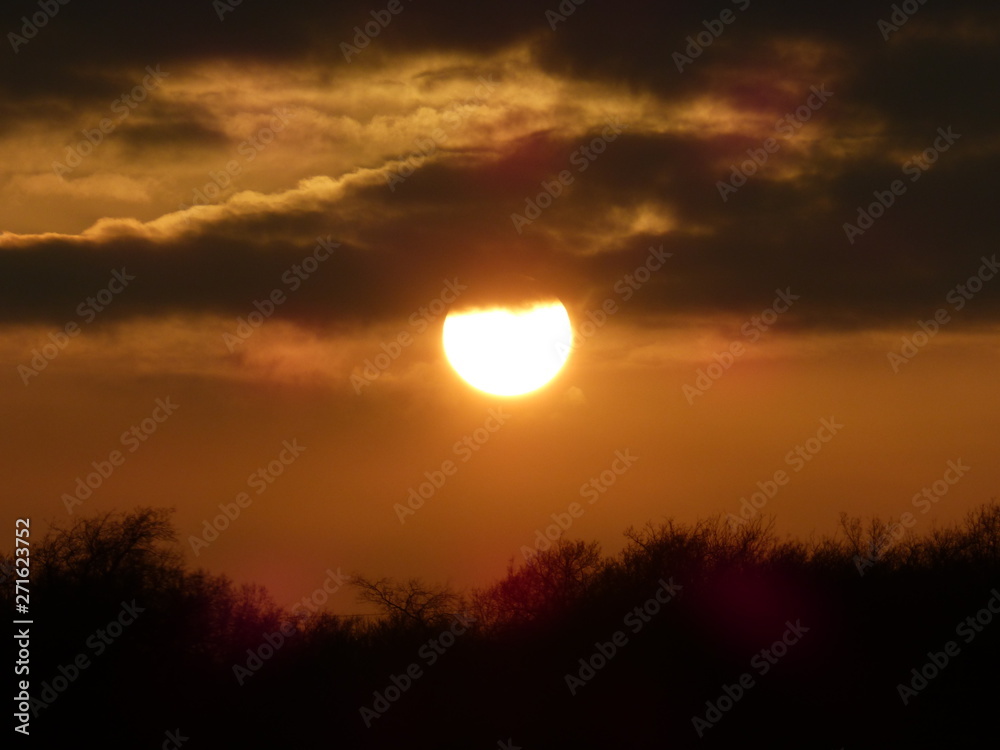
[(509, 351)]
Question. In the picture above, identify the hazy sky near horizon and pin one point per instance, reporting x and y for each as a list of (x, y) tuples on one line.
[(789, 227)]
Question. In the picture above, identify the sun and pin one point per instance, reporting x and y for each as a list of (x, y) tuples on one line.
[(508, 351)]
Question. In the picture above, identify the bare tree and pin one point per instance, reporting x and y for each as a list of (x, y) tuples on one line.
[(982, 530), (412, 601), (136, 546), (546, 584), (872, 543)]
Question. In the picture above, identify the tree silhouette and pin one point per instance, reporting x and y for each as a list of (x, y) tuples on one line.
[(132, 548), (547, 583), (564, 611), (409, 602)]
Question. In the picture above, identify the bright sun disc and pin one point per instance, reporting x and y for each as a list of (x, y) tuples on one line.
[(507, 351)]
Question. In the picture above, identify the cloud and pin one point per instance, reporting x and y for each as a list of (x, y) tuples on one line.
[(470, 117)]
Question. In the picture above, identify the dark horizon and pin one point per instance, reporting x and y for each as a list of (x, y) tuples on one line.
[(582, 628)]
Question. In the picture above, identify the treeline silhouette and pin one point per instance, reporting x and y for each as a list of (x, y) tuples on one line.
[(710, 634)]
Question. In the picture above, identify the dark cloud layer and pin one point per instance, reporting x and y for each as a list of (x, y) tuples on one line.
[(452, 217)]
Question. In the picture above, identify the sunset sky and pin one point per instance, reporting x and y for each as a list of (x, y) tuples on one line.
[(778, 251)]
